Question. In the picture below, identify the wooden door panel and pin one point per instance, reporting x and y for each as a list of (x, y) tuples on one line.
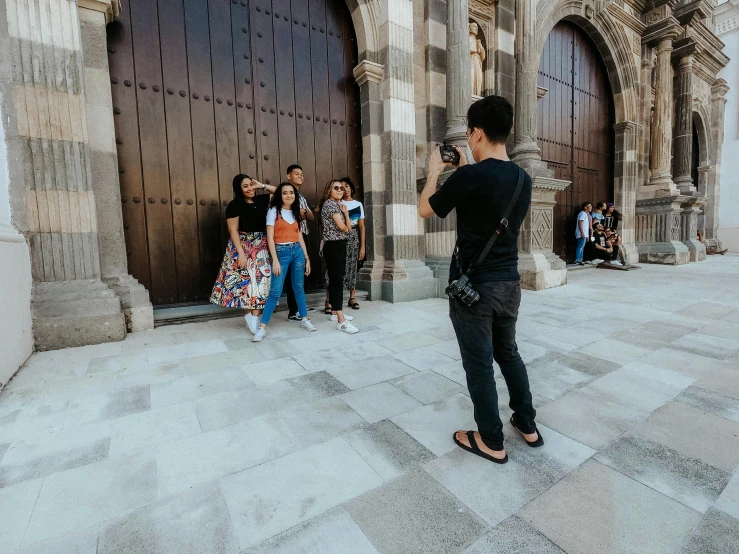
[(227, 87), (575, 127)]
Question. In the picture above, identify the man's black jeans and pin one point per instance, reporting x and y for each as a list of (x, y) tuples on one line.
[(486, 331)]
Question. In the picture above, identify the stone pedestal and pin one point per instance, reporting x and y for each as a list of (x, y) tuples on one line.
[(659, 230), (539, 267), (397, 281), (689, 228)]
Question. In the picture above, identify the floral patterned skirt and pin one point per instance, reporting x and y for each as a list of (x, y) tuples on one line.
[(244, 288)]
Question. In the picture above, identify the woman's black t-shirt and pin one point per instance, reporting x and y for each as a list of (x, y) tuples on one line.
[(610, 221), (252, 216)]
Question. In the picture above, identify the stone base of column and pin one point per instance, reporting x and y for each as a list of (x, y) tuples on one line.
[(440, 267), (713, 246), (75, 313), (541, 270), (631, 253), (659, 231), (134, 297), (397, 281), (696, 250)]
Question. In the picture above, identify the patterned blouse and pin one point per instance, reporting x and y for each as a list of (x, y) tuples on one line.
[(330, 230)]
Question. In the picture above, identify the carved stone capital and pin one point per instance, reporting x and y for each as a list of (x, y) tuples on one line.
[(719, 88), (110, 8), (368, 71), (541, 92)]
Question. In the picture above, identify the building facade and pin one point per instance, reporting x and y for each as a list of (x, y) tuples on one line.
[(726, 17), (123, 124)]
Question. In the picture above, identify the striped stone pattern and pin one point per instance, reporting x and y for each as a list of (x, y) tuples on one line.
[(52, 138), (505, 61)]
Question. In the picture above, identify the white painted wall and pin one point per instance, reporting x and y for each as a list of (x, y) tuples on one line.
[(728, 230), (16, 333)]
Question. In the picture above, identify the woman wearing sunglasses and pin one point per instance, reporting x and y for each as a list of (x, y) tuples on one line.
[(336, 224)]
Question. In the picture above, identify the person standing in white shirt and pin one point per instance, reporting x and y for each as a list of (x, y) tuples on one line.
[(582, 231)]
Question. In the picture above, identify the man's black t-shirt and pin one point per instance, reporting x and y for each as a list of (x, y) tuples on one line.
[(481, 193), (252, 217)]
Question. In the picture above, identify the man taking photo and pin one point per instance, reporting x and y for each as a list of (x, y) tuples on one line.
[(489, 201)]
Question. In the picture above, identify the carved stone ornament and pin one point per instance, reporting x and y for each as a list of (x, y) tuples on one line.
[(368, 71), (589, 12)]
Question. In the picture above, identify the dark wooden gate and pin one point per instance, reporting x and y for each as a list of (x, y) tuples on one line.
[(206, 89), (575, 127)]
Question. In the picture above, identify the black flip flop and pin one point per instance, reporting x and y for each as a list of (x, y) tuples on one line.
[(537, 443), (474, 449)]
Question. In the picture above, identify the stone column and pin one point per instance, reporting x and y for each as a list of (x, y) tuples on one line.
[(689, 229), (396, 271), (712, 190), (71, 305), (661, 140), (684, 127), (458, 84), (625, 184), (94, 15)]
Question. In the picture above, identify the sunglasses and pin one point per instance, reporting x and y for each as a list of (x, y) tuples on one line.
[(339, 188)]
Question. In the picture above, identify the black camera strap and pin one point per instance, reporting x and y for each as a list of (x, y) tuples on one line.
[(502, 226)]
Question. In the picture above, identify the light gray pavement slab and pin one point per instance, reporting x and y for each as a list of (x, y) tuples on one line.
[(191, 438)]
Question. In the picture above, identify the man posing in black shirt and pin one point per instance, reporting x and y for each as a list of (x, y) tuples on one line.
[(486, 330)]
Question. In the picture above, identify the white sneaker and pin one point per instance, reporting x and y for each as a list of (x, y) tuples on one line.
[(616, 262), (335, 317), (259, 335), (252, 323), (307, 325), (347, 327)]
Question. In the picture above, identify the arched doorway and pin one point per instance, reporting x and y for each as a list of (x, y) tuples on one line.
[(575, 127), (205, 89)]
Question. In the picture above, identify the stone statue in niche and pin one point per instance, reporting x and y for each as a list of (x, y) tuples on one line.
[(477, 56)]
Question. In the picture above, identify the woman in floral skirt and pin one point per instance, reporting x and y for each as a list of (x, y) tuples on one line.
[(244, 278)]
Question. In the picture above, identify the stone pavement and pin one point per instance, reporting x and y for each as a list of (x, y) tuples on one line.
[(191, 438)]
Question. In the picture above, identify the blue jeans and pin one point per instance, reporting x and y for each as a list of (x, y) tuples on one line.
[(291, 260), (486, 331), (580, 249)]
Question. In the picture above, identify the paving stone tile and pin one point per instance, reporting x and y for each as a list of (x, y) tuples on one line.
[(454, 371), (444, 332), (333, 532), (240, 343), (659, 374), (201, 458), (407, 324), (317, 421), (410, 341), (718, 533), (174, 392), (615, 350), (380, 401), (3, 449), (687, 480), (589, 365), (321, 360), (167, 354), (414, 514), (153, 428), (428, 386), (368, 372), (592, 497), (729, 500), (16, 506), (724, 379), (552, 379), (722, 329), (215, 382), (79, 541), (632, 390), (221, 360), (195, 521), (530, 351), (687, 363), (316, 385), (108, 405), (54, 451), (707, 310), (712, 402), (529, 472), (366, 351), (652, 336), (449, 348), (433, 425), (705, 345), (706, 437), (116, 363), (588, 418), (89, 494), (513, 535), (422, 358), (273, 497), (388, 449), (273, 350), (264, 373)]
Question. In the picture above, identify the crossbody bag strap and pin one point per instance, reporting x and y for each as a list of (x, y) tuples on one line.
[(503, 225)]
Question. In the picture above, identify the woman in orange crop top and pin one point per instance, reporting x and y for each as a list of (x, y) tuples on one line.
[(287, 247)]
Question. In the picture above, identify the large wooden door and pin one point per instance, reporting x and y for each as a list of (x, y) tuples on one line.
[(206, 89), (575, 127)]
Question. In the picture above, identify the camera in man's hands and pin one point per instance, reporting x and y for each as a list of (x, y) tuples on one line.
[(449, 154), (463, 291)]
